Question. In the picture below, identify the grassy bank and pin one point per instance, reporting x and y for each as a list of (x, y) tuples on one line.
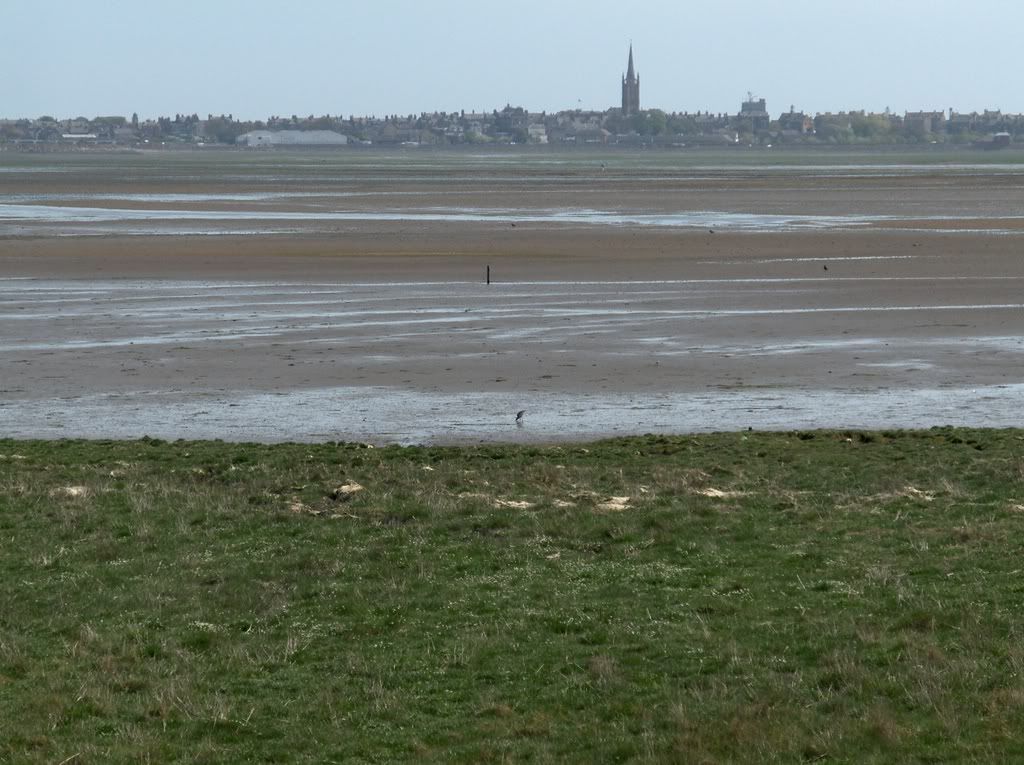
[(741, 597)]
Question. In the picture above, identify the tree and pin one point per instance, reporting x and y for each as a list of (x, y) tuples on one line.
[(684, 124), (658, 121), (833, 130), (650, 123), (321, 123), (224, 130), (871, 127)]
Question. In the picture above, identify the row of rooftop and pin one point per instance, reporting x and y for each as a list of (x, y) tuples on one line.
[(752, 124)]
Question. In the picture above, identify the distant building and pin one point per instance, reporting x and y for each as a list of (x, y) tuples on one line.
[(795, 123), (754, 114), (630, 89), (126, 135), (293, 138), (987, 122), (925, 123), (599, 136)]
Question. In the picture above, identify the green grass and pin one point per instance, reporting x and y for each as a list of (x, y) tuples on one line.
[(761, 598)]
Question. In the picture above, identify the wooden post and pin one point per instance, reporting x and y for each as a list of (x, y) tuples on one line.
[(488, 274)]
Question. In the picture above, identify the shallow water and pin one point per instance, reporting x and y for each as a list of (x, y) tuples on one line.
[(24, 218), (387, 415), (698, 219), (453, 361), (19, 219), (318, 193)]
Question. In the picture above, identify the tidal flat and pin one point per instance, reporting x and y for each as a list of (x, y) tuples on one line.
[(188, 294)]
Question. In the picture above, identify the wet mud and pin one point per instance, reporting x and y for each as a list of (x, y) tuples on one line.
[(358, 310)]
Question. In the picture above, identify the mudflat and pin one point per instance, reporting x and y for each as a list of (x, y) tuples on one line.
[(277, 297)]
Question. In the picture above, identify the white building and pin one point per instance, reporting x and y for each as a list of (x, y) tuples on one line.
[(298, 138)]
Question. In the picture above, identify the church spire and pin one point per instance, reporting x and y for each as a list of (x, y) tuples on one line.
[(630, 88)]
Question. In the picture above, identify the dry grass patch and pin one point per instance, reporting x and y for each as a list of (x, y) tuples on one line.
[(70, 492), (614, 504), (720, 494), (513, 504)]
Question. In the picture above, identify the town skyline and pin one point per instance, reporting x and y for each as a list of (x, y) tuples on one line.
[(623, 126), (392, 59), (629, 124), (753, 109)]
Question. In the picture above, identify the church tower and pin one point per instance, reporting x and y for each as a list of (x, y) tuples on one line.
[(630, 89)]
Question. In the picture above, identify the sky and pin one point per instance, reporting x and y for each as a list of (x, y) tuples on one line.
[(256, 58)]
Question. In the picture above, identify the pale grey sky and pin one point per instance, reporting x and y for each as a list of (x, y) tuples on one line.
[(254, 58)]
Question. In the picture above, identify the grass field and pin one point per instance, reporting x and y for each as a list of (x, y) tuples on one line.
[(835, 597)]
